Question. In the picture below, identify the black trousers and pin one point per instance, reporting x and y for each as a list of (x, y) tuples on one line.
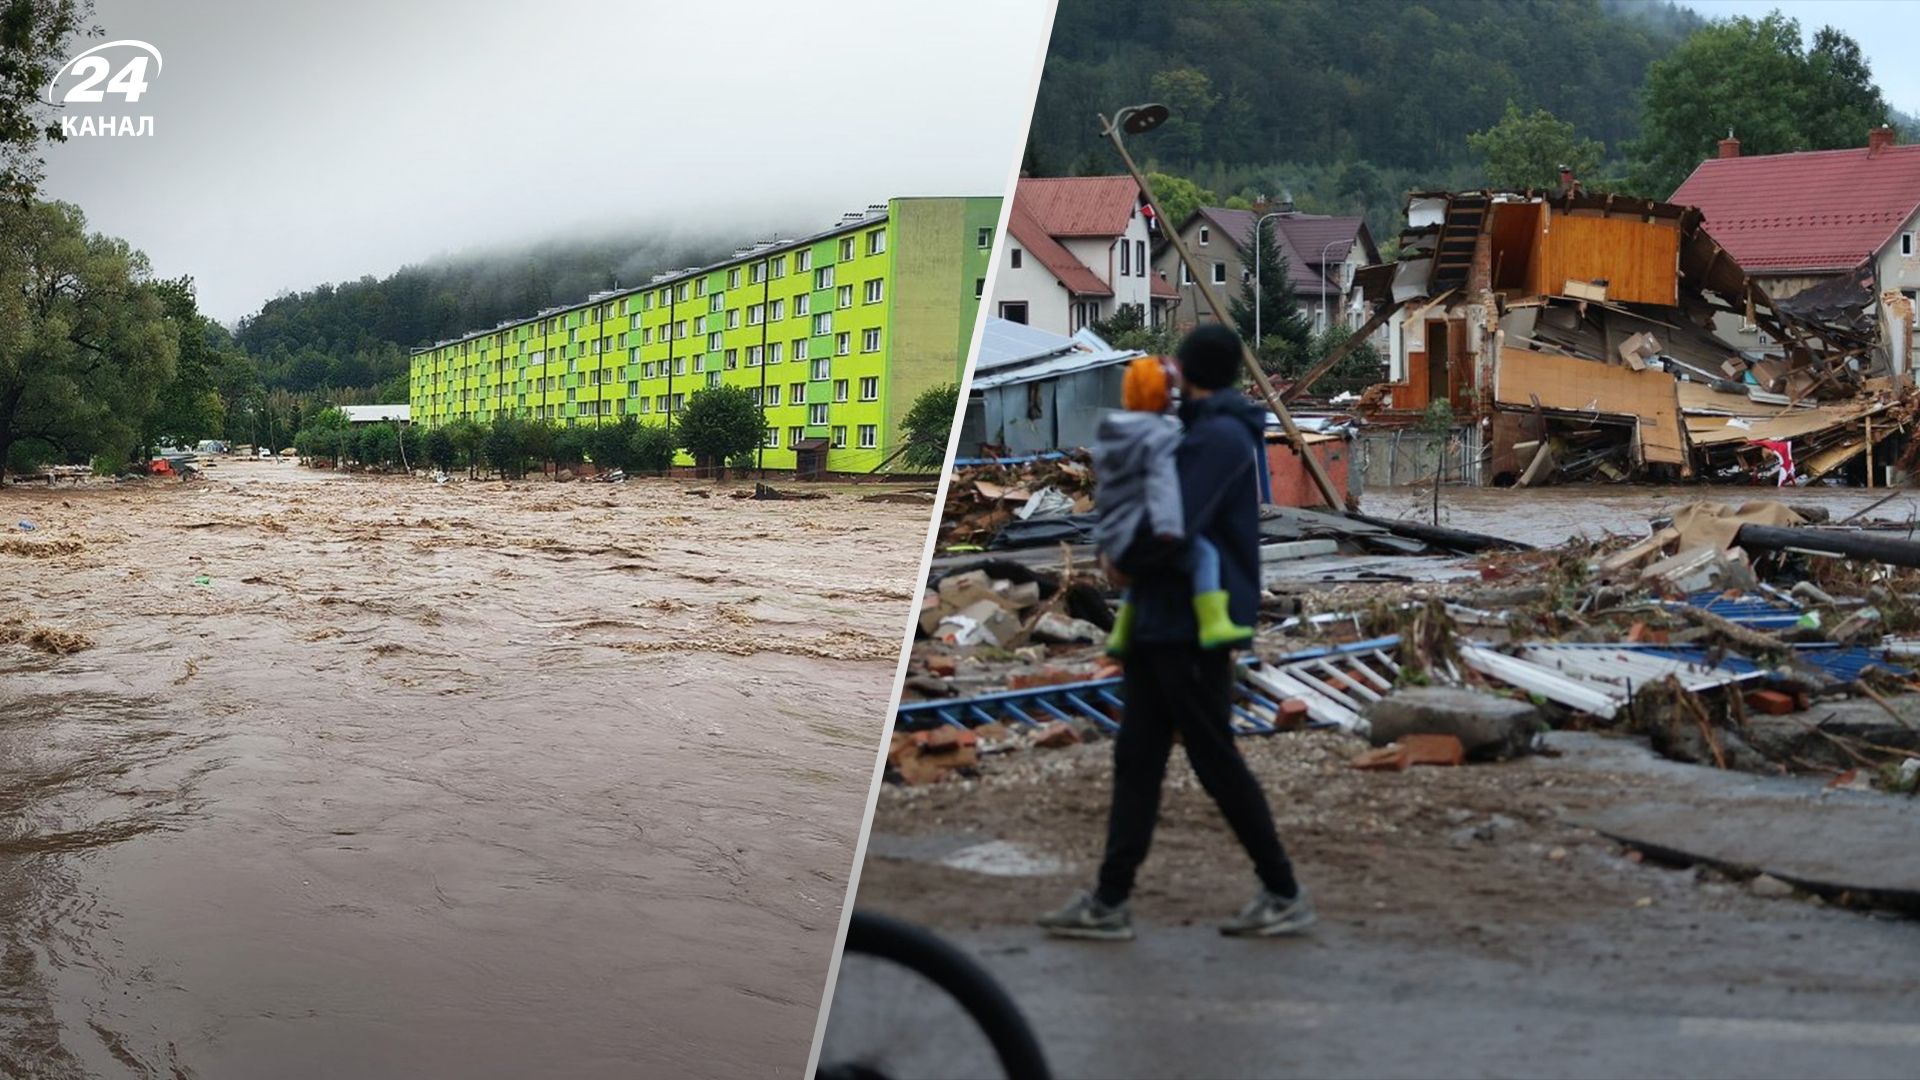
[(1190, 690)]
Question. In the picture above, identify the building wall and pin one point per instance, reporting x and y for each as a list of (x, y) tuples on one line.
[(834, 371), (1048, 305)]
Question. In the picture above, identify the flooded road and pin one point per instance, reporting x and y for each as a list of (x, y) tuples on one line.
[(1548, 516), (303, 775)]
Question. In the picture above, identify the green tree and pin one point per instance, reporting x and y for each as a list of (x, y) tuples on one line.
[(650, 449), (609, 444), (1526, 150), (928, 427), (570, 446), (36, 37), (1751, 77), (469, 441), (1189, 97), (1285, 335), (188, 407), (87, 344), (504, 446), (1126, 328), (1178, 197), (1356, 371), (720, 423), (438, 449), (377, 445)]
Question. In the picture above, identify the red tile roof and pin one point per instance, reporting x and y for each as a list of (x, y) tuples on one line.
[(1080, 205), (1031, 235), (1823, 210)]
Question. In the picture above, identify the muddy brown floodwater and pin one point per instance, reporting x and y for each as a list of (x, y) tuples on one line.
[(307, 775)]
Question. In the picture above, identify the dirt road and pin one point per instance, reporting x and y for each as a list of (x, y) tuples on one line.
[(375, 777), (1469, 927)]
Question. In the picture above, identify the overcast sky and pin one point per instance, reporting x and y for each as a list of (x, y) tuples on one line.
[(1888, 32), (303, 142)]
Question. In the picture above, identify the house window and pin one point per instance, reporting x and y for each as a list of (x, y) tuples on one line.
[(1906, 243), (1219, 273), (1205, 235), (1140, 257), (1014, 310), (817, 414), (869, 436), (1013, 258), (870, 340), (839, 390), (870, 388), (876, 241), (874, 288), (983, 239), (1126, 259), (839, 438)]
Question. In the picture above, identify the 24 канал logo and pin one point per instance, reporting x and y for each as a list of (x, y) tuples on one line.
[(94, 78)]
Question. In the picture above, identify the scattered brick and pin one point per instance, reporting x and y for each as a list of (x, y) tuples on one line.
[(1056, 735), (1772, 702), (1391, 758), (1434, 749)]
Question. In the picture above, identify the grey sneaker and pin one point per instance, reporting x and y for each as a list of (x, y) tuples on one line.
[(1268, 915), (1087, 917)]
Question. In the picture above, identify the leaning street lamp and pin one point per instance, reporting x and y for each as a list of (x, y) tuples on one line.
[(1138, 120)]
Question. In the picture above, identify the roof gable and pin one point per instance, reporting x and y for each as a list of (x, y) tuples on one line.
[(1061, 263), (1822, 210)]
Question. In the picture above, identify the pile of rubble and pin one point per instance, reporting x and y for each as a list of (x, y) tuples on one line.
[(1019, 502), (1747, 637)]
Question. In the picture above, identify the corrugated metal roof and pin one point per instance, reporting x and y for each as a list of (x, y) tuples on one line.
[(1011, 353), (362, 414), (1822, 210)]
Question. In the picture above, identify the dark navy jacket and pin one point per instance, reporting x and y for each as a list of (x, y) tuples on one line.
[(1221, 475)]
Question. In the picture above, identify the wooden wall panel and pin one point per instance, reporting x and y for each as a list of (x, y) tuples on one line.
[(1638, 259)]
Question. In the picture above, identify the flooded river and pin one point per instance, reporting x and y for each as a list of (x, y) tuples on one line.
[(375, 777)]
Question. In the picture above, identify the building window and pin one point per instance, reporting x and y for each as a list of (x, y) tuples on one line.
[(983, 239), (717, 301), (1204, 235), (1906, 243), (839, 438), (869, 436), (820, 368), (797, 393), (700, 287), (733, 278), (799, 348), (713, 342), (1014, 310), (713, 379), (753, 356), (845, 297), (779, 311), (757, 273), (823, 278), (823, 324), (979, 287), (1140, 257), (817, 414), (756, 314), (803, 261), (1013, 258), (773, 394), (1219, 273), (874, 288), (733, 318), (733, 359), (846, 248), (773, 438), (870, 388), (794, 435), (779, 266), (1186, 278), (1126, 259), (870, 340), (842, 344), (801, 304), (839, 390), (877, 242)]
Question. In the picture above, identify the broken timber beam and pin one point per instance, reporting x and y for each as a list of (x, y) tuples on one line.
[(1829, 542), (1342, 350)]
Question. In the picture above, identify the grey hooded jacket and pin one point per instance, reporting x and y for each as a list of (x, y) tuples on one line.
[(1136, 481)]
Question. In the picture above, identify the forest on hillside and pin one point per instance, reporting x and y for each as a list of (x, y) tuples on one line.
[(358, 333), (1347, 104)]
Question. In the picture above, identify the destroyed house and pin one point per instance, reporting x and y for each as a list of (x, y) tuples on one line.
[(1573, 337)]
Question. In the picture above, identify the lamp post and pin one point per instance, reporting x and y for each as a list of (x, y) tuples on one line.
[(1257, 222), (1139, 119), (1325, 320)]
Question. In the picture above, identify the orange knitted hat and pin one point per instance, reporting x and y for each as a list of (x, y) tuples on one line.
[(1145, 389)]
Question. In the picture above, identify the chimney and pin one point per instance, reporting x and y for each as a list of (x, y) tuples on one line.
[(1286, 200), (1879, 139), (1261, 205), (1729, 146)]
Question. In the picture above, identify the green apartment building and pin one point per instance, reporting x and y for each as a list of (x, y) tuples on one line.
[(835, 334)]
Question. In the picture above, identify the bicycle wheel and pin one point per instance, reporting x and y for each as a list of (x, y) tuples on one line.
[(901, 945)]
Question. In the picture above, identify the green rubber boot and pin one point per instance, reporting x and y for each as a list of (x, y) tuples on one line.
[(1217, 628), (1122, 632)]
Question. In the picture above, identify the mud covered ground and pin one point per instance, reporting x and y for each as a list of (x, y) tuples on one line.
[(310, 775), (1470, 926)]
